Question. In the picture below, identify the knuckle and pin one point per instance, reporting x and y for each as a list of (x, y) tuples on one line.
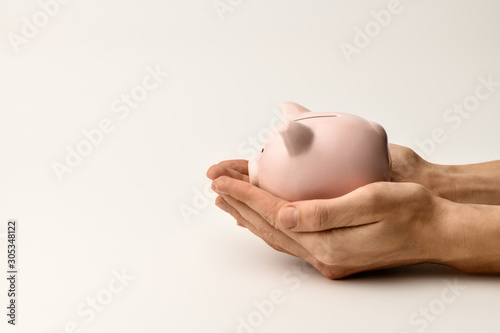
[(247, 191), (267, 214), (271, 214), (421, 191), (374, 192), (419, 196), (318, 217), (221, 183), (368, 198)]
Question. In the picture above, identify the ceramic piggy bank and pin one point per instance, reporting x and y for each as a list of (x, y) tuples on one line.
[(320, 155)]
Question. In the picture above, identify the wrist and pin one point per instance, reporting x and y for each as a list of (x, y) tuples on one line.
[(472, 184), (434, 233), (442, 180), (466, 237)]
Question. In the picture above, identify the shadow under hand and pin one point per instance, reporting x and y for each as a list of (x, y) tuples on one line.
[(419, 271)]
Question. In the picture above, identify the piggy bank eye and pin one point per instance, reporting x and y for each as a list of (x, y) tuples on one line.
[(262, 150)]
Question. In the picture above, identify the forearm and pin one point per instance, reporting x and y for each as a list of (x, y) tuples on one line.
[(470, 236), (474, 183)]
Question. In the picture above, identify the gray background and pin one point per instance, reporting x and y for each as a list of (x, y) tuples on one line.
[(139, 201)]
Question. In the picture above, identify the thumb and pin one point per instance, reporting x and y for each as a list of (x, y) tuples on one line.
[(319, 215), (305, 216)]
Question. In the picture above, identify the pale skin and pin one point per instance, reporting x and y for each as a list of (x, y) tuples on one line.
[(428, 213)]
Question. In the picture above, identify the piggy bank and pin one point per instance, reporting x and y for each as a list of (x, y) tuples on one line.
[(315, 155)]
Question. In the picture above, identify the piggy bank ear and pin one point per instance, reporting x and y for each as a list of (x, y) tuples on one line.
[(297, 137), (292, 110)]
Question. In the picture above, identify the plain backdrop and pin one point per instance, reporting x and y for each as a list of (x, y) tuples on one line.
[(137, 205)]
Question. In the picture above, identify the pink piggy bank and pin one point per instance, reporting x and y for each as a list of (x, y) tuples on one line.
[(320, 155)]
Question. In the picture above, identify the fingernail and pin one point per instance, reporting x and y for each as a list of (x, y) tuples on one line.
[(222, 206), (289, 217), (240, 225)]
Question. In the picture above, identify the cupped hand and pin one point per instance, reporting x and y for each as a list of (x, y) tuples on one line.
[(377, 226)]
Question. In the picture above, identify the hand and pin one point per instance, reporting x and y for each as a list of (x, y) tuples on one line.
[(408, 166), (471, 184), (380, 225)]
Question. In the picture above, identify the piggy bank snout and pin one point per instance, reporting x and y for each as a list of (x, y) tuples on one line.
[(253, 172)]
